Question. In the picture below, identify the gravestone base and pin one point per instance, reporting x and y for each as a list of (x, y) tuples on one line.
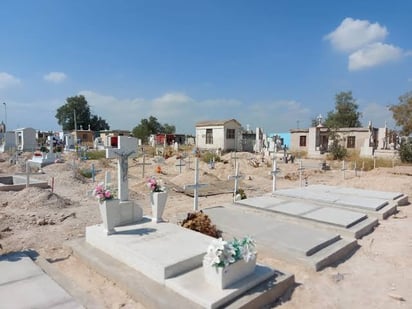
[(161, 266)]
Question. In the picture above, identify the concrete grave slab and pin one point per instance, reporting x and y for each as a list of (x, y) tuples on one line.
[(374, 203), (24, 285), (17, 183), (284, 240), (187, 290), (295, 208), (159, 251), (193, 286), (262, 201), (315, 214), (339, 217)]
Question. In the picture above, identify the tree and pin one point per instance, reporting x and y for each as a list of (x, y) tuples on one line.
[(78, 106), (402, 113), (346, 113), (151, 126), (169, 129)]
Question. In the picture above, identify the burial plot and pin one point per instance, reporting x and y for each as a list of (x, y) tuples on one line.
[(344, 221), (172, 256), (374, 203), (285, 240)]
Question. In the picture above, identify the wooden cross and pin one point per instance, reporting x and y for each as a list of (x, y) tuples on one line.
[(143, 164), (195, 186), (181, 163), (237, 176), (127, 146)]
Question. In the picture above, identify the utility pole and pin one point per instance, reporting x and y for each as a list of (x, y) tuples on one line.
[(5, 114)]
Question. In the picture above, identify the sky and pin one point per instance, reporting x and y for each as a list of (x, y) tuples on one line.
[(273, 64)]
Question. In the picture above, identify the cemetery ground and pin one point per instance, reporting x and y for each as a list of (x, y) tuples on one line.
[(377, 275)]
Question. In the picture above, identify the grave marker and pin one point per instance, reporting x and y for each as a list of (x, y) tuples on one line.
[(195, 186), (127, 146), (107, 179), (143, 164), (274, 172), (237, 176), (300, 169), (181, 163)]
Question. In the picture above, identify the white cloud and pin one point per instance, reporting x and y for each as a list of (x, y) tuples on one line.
[(55, 77), (8, 80), (378, 115), (183, 111), (352, 34), (373, 55)]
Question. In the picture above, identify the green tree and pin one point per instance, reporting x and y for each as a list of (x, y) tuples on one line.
[(151, 126), (402, 113), (169, 129), (78, 106), (346, 113)]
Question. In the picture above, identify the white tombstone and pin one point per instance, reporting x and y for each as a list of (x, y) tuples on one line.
[(128, 212), (126, 147)]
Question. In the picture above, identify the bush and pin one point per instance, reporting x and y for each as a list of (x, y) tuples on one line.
[(209, 156), (405, 152), (87, 173), (337, 151), (96, 155)]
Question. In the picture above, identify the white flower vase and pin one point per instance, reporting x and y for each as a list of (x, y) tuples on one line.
[(109, 210), (223, 277), (158, 203)]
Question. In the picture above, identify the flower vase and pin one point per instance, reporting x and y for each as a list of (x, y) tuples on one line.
[(158, 203), (109, 211), (223, 277)]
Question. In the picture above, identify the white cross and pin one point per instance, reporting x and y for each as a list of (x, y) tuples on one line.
[(274, 172), (107, 179), (195, 186), (300, 169), (127, 146), (343, 169), (237, 176)]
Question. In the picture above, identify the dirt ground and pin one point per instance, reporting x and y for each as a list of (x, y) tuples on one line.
[(377, 275)]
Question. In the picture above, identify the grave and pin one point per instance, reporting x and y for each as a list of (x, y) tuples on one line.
[(171, 258), (310, 213), (46, 157), (23, 284), (283, 239), (17, 183), (378, 204)]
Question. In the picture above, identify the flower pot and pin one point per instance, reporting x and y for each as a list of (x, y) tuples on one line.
[(109, 210), (115, 213), (223, 277), (158, 203)]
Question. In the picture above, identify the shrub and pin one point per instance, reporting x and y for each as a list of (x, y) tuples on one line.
[(209, 156), (96, 155), (405, 152)]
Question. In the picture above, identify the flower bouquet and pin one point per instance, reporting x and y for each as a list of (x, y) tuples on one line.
[(154, 185), (227, 262), (102, 193)]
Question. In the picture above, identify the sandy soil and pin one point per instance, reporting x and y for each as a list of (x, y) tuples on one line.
[(378, 275)]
